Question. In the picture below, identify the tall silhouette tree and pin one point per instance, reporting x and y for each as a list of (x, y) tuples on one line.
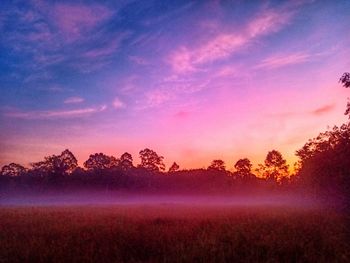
[(56, 165), (218, 165), (68, 161), (275, 166), (151, 161), (345, 81), (125, 161), (174, 167), (100, 161), (243, 168), (13, 169), (324, 162)]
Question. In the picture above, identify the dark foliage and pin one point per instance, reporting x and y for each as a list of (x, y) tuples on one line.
[(100, 161), (13, 169), (275, 168), (325, 164), (345, 80), (217, 165), (151, 161), (174, 167)]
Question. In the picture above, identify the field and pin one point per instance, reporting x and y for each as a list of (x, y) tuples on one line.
[(171, 233)]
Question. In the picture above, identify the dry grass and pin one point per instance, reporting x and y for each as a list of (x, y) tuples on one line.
[(171, 233)]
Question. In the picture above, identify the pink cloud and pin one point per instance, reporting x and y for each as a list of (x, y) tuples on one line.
[(185, 60), (227, 71), (269, 21), (30, 16), (73, 100), (47, 60), (324, 109), (73, 20), (54, 28), (34, 115), (220, 47), (88, 66), (56, 88), (284, 60), (38, 76), (156, 97), (180, 115), (118, 103), (181, 60), (128, 84), (108, 49), (138, 60), (225, 44)]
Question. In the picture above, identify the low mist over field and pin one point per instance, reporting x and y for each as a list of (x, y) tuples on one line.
[(105, 199)]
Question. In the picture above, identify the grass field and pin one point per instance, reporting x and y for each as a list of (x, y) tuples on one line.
[(171, 233)]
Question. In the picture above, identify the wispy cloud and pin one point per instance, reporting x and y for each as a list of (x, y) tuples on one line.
[(108, 48), (181, 115), (118, 103), (227, 71), (73, 100), (75, 20), (282, 60), (138, 60), (225, 44), (54, 114), (1, 21), (269, 21), (181, 60), (324, 109), (299, 113), (161, 18), (157, 97), (69, 34)]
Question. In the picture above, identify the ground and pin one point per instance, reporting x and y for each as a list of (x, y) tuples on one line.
[(171, 233)]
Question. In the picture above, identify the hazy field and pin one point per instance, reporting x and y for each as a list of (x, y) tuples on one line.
[(171, 233)]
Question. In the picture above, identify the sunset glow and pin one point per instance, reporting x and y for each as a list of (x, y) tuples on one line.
[(195, 81)]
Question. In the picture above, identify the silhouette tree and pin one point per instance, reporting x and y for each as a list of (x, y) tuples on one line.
[(325, 165), (275, 167), (324, 160), (243, 168), (151, 161), (100, 161), (68, 161), (57, 165), (13, 169), (125, 161), (174, 167), (218, 165), (345, 80)]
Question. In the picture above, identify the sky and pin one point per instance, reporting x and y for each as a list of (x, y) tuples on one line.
[(192, 80)]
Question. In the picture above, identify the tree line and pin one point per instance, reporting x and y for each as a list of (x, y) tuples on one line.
[(58, 170)]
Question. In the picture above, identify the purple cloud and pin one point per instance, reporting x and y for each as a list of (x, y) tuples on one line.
[(224, 44), (281, 60), (74, 21), (324, 109), (54, 114), (118, 103), (73, 100), (69, 34)]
